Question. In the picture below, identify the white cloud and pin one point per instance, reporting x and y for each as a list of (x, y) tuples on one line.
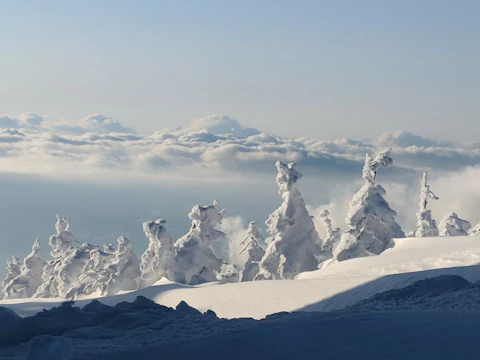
[(340, 196), (458, 192), (219, 125), (27, 120), (235, 229), (96, 123), (31, 119), (32, 144), (9, 122), (405, 139)]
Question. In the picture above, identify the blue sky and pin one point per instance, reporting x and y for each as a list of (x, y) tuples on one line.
[(327, 69)]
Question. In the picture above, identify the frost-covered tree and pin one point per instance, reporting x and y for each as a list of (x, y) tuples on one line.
[(13, 270), (109, 248), (158, 260), (254, 251), (95, 274), (107, 273), (294, 242), (475, 231), (229, 273), (26, 283), (63, 239), (452, 225), (333, 235), (60, 275), (426, 226), (370, 220), (124, 269), (195, 256)]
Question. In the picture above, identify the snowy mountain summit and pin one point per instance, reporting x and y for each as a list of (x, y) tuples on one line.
[(221, 125)]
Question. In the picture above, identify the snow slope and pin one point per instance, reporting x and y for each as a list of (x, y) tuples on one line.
[(340, 336), (141, 330), (334, 287), (443, 293)]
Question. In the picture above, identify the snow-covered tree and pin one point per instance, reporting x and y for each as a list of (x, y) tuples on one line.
[(109, 248), (370, 220), (95, 274), (426, 226), (452, 225), (13, 270), (60, 275), (475, 231), (124, 269), (229, 273), (195, 255), (26, 283), (333, 235), (158, 260), (254, 251), (294, 242), (63, 239), (85, 269)]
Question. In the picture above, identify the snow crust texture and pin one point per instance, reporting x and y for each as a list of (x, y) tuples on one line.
[(98, 330), (146, 330)]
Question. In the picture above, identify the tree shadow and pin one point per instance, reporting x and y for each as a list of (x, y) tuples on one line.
[(389, 282)]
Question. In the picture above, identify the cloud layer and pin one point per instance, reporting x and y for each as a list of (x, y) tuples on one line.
[(31, 143)]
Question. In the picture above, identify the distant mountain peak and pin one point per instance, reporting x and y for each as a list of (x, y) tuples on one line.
[(222, 124)]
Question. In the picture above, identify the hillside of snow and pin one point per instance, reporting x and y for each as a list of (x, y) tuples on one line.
[(334, 287), (145, 330)]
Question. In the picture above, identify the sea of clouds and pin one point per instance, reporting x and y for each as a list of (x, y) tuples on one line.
[(212, 157), (32, 143)]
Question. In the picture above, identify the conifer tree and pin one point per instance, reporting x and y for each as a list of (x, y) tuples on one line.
[(371, 221), (294, 244)]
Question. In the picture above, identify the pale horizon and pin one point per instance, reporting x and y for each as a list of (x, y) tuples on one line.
[(317, 68)]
